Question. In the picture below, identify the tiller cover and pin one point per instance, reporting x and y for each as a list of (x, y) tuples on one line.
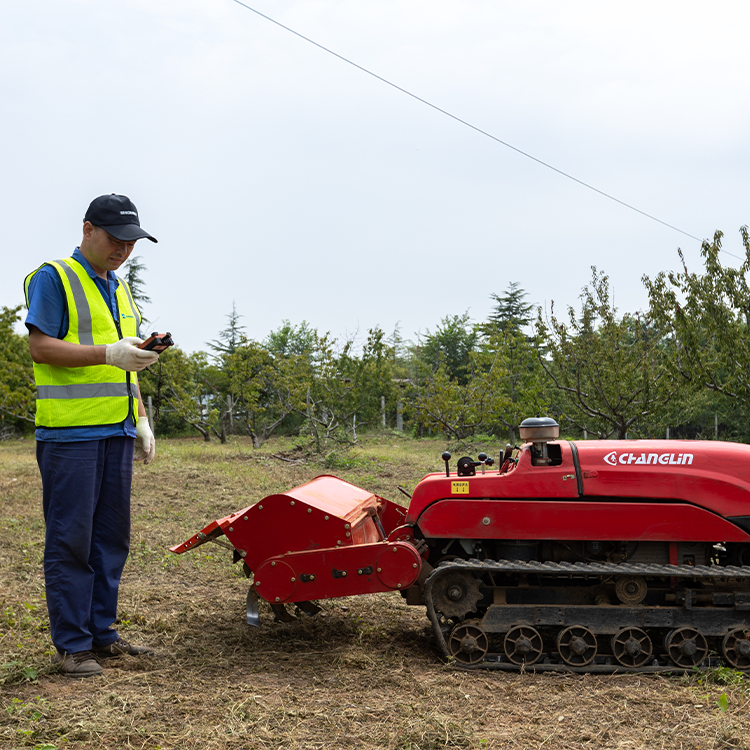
[(324, 539)]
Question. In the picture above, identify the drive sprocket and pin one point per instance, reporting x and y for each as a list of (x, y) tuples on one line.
[(456, 593)]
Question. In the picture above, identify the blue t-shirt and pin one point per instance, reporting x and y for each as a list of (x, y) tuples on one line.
[(48, 312)]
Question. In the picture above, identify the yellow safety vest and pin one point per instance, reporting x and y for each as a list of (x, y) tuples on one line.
[(97, 394)]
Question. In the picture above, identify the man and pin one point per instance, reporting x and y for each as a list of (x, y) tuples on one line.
[(90, 425)]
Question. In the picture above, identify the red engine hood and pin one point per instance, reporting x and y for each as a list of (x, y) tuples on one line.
[(711, 475)]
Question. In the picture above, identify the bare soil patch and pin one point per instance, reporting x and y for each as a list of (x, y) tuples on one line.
[(363, 674)]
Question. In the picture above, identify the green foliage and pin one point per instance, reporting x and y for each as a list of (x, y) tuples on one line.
[(612, 372), (289, 340), (511, 312), (34, 710), (338, 460), (449, 347), (726, 676), (683, 365), (25, 621), (262, 388), (230, 338), (518, 376), (17, 391), (502, 384), (134, 270), (707, 316), (345, 390), (470, 379), (179, 386), (458, 410)]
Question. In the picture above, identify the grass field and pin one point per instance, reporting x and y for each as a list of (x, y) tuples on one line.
[(363, 674)]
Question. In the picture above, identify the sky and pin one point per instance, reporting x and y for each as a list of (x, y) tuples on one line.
[(282, 180)]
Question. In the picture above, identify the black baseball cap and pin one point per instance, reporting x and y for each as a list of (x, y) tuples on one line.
[(117, 215)]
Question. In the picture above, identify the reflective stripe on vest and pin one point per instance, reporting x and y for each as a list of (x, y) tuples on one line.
[(82, 390), (97, 394), (85, 326)]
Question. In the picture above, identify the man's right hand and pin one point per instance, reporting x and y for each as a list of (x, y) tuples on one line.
[(126, 355)]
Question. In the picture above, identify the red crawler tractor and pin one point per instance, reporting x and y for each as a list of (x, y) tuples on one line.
[(594, 556)]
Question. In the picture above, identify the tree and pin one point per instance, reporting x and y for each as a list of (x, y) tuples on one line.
[(458, 410), (134, 270), (450, 346), (346, 389), (289, 339), (17, 389), (179, 386), (510, 311), (265, 388), (523, 383), (230, 338), (708, 318), (504, 384), (612, 372), (400, 353)]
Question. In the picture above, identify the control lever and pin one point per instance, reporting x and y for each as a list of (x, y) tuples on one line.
[(447, 457), (467, 466), (485, 460)]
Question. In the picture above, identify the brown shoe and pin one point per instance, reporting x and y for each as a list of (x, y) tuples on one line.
[(120, 647), (79, 664)]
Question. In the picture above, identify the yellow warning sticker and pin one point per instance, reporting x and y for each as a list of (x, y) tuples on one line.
[(459, 488)]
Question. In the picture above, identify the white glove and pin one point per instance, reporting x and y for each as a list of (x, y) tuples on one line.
[(126, 355), (145, 445)]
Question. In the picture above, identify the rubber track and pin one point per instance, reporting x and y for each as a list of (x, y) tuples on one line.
[(566, 570), (596, 569)]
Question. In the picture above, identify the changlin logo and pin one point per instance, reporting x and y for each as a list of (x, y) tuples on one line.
[(665, 459)]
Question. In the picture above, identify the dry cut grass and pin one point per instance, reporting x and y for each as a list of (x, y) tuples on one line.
[(364, 674)]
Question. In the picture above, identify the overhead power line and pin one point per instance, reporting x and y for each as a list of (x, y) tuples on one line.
[(467, 124)]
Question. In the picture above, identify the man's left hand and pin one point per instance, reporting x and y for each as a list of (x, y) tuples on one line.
[(145, 445)]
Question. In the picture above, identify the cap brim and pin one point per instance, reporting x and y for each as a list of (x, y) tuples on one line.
[(128, 233)]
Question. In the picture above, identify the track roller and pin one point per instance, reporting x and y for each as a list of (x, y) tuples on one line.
[(523, 645), (576, 645), (632, 647), (686, 647), (468, 643), (735, 648)]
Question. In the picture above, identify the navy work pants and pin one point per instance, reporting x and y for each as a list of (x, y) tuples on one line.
[(86, 500)]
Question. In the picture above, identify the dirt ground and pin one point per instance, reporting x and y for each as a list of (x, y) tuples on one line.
[(363, 674)]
